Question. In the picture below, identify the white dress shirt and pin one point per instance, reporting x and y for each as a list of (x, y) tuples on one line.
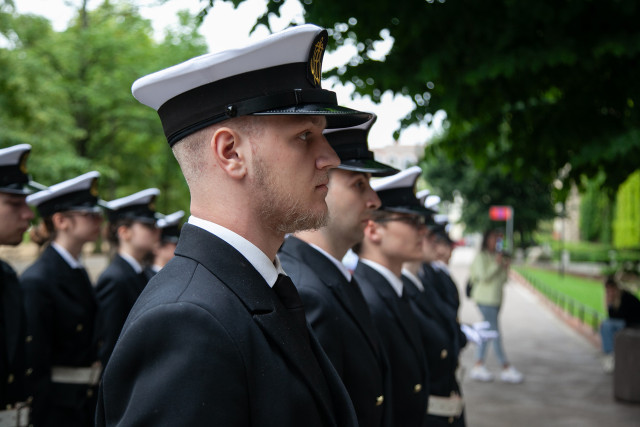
[(132, 262), (268, 269), (394, 281), (345, 272)]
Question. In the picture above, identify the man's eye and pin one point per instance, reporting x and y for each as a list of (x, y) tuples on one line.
[(304, 136)]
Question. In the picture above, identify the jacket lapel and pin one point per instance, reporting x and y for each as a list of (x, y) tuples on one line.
[(237, 273), (74, 283), (389, 296), (138, 282), (334, 280)]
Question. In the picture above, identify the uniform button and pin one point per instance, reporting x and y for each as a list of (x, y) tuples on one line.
[(89, 393), (29, 371), (417, 388), (10, 379), (379, 400), (444, 353), (79, 327), (29, 338)]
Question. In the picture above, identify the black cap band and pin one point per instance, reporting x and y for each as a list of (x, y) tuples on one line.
[(13, 179), (140, 213), (77, 200), (403, 200)]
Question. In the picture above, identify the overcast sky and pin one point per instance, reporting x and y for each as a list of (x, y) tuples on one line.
[(226, 28)]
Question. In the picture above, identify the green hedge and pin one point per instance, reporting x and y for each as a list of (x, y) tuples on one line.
[(626, 224)]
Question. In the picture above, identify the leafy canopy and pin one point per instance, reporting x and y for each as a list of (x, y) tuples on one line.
[(534, 87)]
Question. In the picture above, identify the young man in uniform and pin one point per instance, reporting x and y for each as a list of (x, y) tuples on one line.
[(15, 216), (394, 236), (218, 337), (333, 303)]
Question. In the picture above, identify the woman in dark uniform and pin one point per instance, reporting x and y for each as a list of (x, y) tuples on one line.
[(60, 304), (133, 232)]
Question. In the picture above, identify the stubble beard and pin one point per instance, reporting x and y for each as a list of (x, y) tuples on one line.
[(279, 209)]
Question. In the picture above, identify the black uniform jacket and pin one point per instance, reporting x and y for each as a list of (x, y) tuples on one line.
[(431, 281), (342, 323), (447, 288), (12, 338), (400, 335), (117, 290), (149, 272), (439, 344), (61, 308), (208, 343)]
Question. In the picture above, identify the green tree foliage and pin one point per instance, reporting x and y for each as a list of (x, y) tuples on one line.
[(595, 211), (626, 225), (532, 86), (68, 94), (479, 190)]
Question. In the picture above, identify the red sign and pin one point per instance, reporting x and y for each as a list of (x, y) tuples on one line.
[(500, 213)]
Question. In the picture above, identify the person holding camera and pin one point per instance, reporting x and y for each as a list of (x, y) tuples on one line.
[(489, 273)]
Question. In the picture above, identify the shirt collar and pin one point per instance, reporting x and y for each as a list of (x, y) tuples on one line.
[(409, 275), (132, 262), (268, 269), (394, 281), (345, 272), (73, 263), (440, 265)]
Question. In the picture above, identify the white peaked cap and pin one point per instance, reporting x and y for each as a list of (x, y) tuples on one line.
[(79, 183), (440, 219), (170, 220), (12, 155), (284, 47), (403, 179), (280, 74), (13, 169), (143, 197), (79, 193), (431, 202)]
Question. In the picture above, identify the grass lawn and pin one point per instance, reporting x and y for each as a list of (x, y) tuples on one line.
[(569, 292)]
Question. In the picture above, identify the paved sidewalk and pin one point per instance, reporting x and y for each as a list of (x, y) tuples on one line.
[(564, 383)]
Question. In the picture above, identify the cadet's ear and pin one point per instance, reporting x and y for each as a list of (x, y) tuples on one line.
[(60, 221), (123, 232), (227, 149), (373, 231)]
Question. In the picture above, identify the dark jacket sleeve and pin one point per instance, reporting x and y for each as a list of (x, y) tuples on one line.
[(40, 313), (113, 309), (175, 353)]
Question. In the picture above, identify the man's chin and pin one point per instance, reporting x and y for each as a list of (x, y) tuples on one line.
[(311, 220)]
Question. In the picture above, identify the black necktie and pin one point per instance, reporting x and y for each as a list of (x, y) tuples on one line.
[(288, 295)]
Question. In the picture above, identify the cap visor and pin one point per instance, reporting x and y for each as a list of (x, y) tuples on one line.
[(376, 169), (143, 219), (90, 209), (337, 116), (18, 191), (415, 210)]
